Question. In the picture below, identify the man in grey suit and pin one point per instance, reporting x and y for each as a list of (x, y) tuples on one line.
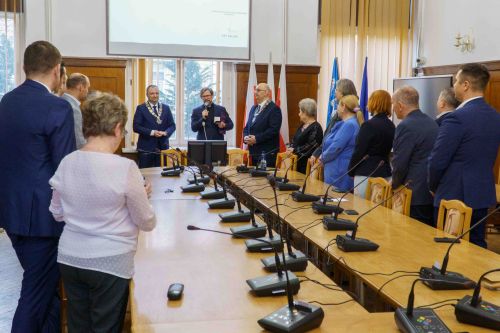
[(77, 89), (413, 142)]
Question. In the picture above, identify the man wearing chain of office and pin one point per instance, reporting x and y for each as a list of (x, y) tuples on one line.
[(154, 123)]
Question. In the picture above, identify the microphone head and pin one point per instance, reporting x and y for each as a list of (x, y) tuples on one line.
[(380, 163), (192, 227), (178, 149), (365, 157)]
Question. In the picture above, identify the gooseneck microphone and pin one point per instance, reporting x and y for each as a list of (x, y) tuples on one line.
[(301, 196), (206, 105), (225, 202), (269, 285), (194, 187), (215, 193), (412, 320), (173, 171), (349, 243), (253, 230), (320, 207), (205, 179), (283, 184), (475, 311), (335, 223), (296, 261), (454, 277)]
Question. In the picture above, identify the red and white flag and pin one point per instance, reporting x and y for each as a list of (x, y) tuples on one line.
[(270, 76), (250, 100), (281, 102)]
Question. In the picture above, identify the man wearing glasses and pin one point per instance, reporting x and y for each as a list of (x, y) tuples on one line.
[(211, 121), (262, 130)]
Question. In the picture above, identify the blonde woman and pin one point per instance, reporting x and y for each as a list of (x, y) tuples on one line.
[(104, 202), (339, 145)]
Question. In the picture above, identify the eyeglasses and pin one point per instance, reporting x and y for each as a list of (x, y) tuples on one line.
[(260, 90), (206, 96)]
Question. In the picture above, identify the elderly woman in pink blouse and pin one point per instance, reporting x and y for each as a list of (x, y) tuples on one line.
[(104, 202)]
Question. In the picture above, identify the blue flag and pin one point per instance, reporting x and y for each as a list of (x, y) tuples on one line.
[(332, 103), (363, 97)]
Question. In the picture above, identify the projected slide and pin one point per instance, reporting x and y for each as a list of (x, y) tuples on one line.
[(212, 29)]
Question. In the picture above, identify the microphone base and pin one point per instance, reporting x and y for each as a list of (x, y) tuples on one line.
[(485, 314), (243, 216), (320, 208), (330, 223), (258, 173), (303, 197), (171, 173), (282, 186), (294, 264), (278, 179), (448, 281), (181, 167), (273, 284), (221, 203), (193, 188), (242, 169), (302, 318), (200, 180), (421, 320), (212, 194), (249, 231), (254, 245), (347, 244)]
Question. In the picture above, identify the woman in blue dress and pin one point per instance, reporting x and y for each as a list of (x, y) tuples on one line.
[(339, 145)]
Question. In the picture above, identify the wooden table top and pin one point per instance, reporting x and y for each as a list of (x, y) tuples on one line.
[(405, 244), (212, 267)]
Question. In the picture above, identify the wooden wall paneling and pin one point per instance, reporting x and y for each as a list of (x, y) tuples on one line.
[(492, 93), (302, 82), (106, 75)]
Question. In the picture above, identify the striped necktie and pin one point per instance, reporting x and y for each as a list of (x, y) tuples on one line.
[(257, 111)]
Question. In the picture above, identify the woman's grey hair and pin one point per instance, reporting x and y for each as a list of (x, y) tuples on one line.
[(308, 106), (346, 87)]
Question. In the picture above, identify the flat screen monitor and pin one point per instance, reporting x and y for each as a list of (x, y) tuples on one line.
[(208, 152), (429, 88)]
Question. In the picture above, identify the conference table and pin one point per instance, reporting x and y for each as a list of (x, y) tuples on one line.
[(214, 268)]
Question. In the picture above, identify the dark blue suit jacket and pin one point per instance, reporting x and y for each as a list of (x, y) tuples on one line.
[(36, 132), (144, 123), (266, 129), (461, 163), (413, 142), (212, 130)]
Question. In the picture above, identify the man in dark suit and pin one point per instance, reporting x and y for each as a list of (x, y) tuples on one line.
[(211, 121), (36, 132), (413, 142), (461, 163), (445, 104), (154, 123), (262, 130)]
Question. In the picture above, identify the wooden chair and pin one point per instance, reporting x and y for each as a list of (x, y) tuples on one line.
[(401, 201), (317, 172), (237, 157), (454, 217), (166, 161), (378, 189), (283, 161)]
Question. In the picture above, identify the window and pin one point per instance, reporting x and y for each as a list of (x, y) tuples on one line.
[(179, 82), (7, 37)]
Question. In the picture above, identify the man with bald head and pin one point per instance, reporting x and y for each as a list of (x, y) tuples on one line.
[(413, 142), (77, 89), (262, 130)]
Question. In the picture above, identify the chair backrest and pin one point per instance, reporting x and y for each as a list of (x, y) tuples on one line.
[(317, 172), (378, 189), (166, 161), (237, 157), (401, 201), (285, 159), (454, 217)]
